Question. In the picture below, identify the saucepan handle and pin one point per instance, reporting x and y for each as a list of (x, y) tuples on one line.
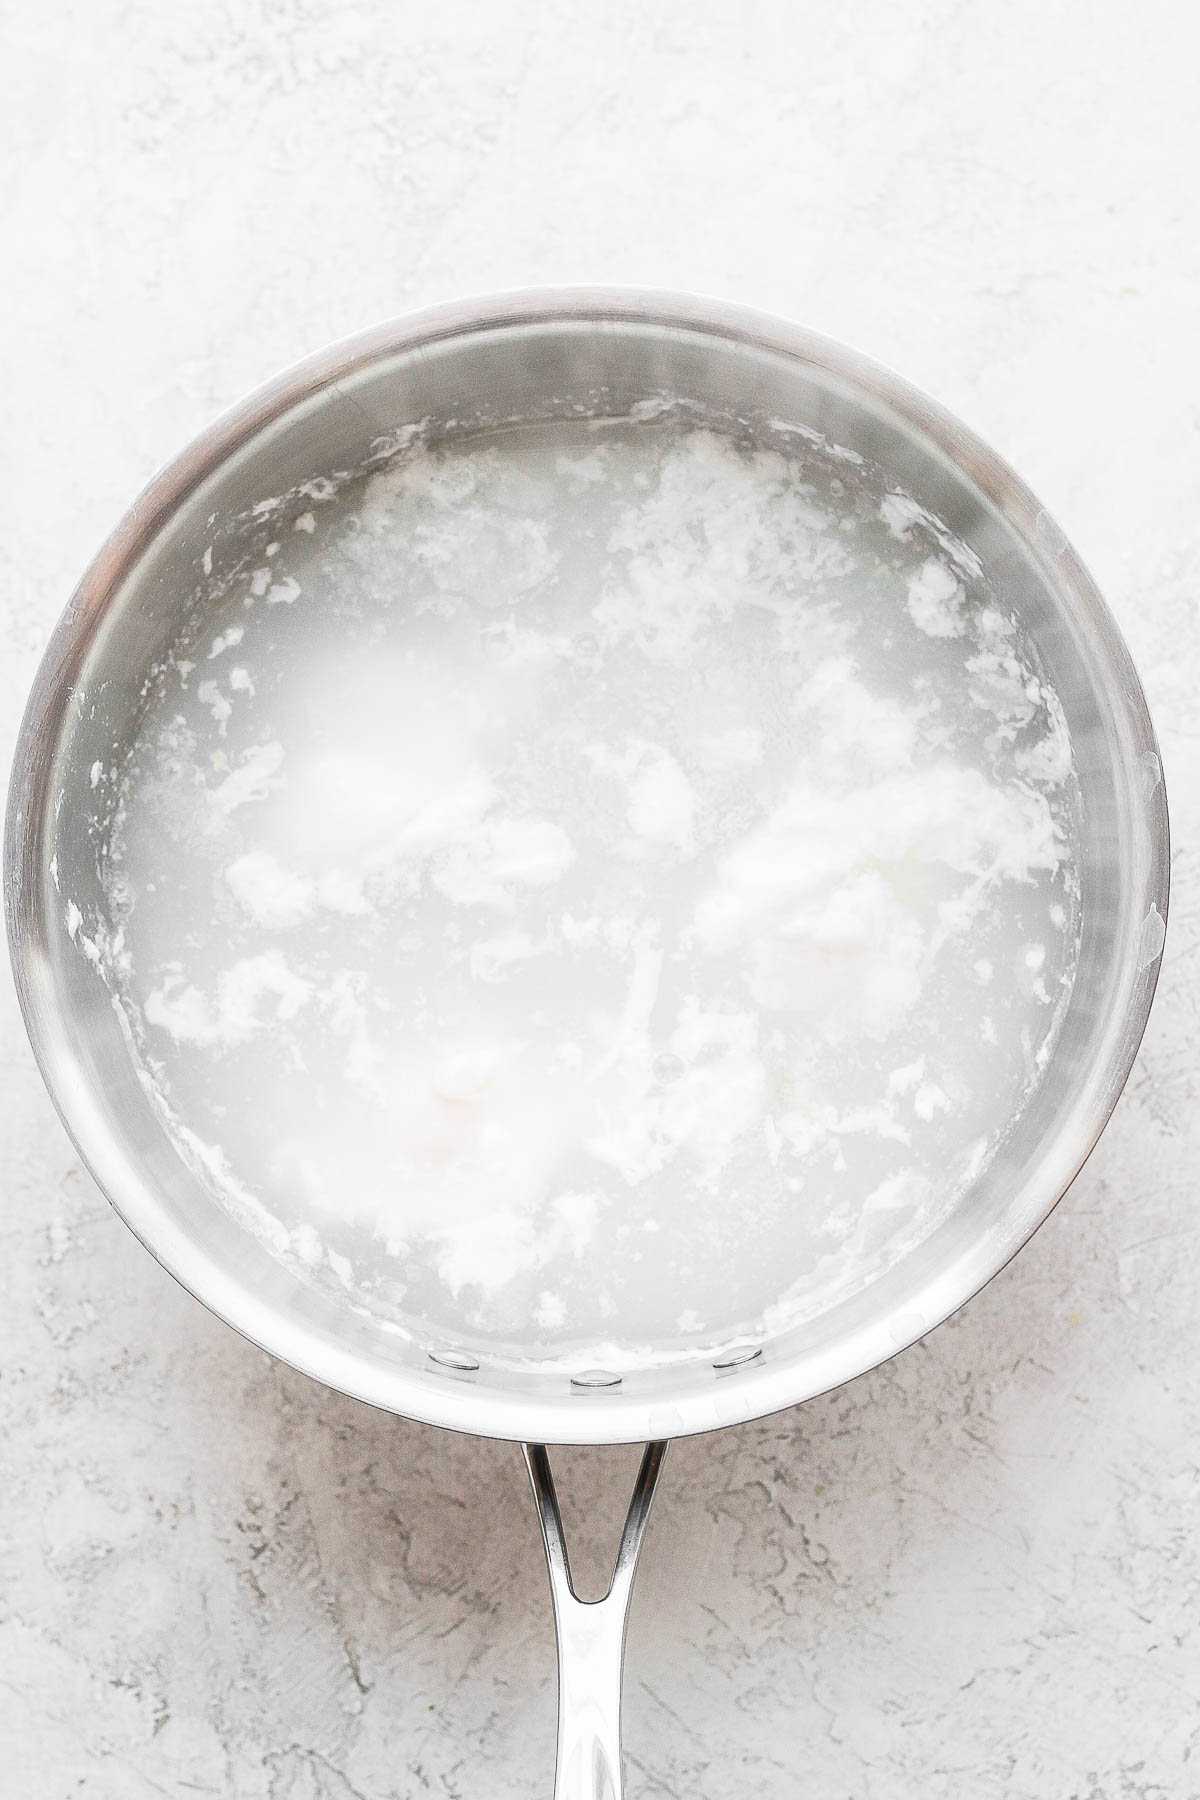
[(591, 1638)]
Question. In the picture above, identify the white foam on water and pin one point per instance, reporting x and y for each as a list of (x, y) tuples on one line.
[(620, 894)]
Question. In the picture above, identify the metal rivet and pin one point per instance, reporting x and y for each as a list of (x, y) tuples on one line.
[(595, 1378), (454, 1359), (742, 1353)]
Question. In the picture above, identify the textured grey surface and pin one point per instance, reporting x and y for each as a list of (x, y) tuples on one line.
[(974, 1572)]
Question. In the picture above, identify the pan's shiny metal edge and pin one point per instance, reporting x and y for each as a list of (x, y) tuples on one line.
[(612, 1416)]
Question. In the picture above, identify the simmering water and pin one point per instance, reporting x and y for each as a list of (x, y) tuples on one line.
[(589, 891)]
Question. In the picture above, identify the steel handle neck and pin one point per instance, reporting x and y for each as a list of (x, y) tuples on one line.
[(591, 1637)]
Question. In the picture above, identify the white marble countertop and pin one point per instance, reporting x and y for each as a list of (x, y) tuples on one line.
[(974, 1572)]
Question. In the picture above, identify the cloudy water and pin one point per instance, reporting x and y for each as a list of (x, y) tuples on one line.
[(592, 889)]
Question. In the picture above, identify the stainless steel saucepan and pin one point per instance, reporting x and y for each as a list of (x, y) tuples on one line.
[(524, 358)]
